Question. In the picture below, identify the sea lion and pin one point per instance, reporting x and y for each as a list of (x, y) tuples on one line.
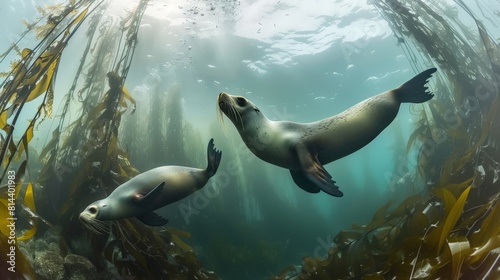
[(148, 191), (304, 148)]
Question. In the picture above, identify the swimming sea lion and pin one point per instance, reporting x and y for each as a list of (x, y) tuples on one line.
[(148, 191), (303, 148)]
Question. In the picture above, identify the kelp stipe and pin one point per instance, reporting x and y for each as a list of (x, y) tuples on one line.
[(31, 76)]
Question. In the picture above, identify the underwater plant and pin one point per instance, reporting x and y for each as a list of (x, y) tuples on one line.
[(84, 160)]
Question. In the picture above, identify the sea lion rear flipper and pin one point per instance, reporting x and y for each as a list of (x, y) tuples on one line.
[(149, 197), (213, 158), (301, 180), (415, 90), (315, 172), (152, 219)]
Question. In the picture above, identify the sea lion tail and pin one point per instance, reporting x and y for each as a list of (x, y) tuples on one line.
[(415, 90), (213, 158)]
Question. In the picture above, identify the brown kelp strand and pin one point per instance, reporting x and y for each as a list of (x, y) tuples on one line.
[(450, 229), (83, 161)]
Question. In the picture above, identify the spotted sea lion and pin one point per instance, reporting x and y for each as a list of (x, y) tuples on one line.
[(304, 148), (148, 191)]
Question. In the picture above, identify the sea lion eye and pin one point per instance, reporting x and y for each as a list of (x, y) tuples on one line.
[(241, 101), (93, 210)]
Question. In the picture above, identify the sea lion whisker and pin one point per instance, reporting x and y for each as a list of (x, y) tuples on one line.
[(236, 114), (92, 228), (95, 225), (96, 228), (220, 115)]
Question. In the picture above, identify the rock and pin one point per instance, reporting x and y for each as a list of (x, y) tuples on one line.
[(27, 248), (49, 265), (79, 268), (54, 247), (40, 245), (51, 236)]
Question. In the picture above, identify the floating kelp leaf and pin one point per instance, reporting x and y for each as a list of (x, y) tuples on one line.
[(28, 135), (489, 227), (380, 216), (11, 147), (415, 135), (470, 220), (183, 245), (458, 188), (403, 207), (422, 269), (448, 198), (77, 20), (178, 232), (51, 145), (309, 264), (346, 237), (4, 215), (3, 119), (417, 223), (39, 76), (479, 253), (132, 250), (126, 95), (29, 201), (452, 218), (111, 252), (8, 200), (20, 176), (44, 83), (459, 248)]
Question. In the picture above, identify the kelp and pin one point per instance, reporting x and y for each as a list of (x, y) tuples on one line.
[(410, 244), (451, 229), (9, 200), (84, 161), (133, 248), (30, 77), (34, 75)]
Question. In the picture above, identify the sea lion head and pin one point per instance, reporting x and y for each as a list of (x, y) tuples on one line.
[(95, 214), (238, 109)]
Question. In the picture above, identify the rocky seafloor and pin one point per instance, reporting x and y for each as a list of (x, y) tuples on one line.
[(43, 254)]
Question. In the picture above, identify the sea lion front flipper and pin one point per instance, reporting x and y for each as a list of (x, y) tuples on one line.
[(315, 172), (301, 180), (149, 197), (152, 219)]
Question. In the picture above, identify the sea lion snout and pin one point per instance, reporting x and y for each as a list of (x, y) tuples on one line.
[(90, 212), (223, 100), (92, 217)]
